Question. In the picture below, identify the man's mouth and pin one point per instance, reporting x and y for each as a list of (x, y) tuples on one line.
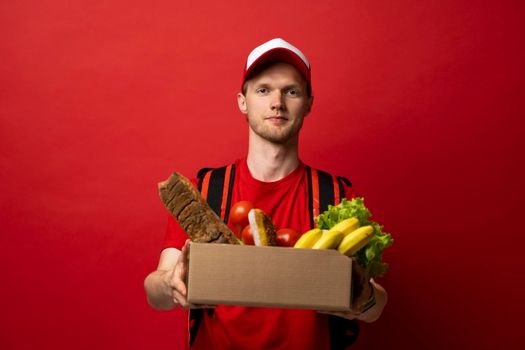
[(277, 119)]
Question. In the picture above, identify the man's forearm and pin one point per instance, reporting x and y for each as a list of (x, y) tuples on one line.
[(158, 292)]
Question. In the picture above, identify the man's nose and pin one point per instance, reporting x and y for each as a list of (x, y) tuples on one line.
[(277, 102)]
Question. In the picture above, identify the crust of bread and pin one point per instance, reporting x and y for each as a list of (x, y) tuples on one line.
[(191, 211)]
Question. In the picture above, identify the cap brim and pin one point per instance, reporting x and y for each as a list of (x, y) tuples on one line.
[(278, 54)]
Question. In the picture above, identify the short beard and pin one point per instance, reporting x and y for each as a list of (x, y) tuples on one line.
[(282, 137)]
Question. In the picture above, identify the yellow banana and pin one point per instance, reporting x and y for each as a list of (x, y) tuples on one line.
[(356, 240), (346, 226), (308, 239), (329, 240)]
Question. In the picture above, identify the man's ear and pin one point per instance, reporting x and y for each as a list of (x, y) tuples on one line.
[(310, 103), (241, 102)]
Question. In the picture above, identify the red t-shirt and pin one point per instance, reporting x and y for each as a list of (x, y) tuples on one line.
[(238, 327)]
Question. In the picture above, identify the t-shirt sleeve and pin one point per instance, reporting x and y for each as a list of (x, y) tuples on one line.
[(175, 236)]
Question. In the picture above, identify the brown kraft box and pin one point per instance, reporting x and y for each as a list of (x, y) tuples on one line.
[(269, 276)]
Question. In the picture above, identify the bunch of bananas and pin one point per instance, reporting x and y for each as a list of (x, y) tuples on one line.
[(346, 236)]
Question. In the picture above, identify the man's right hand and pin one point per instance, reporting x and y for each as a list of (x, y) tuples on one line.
[(175, 279), (166, 287)]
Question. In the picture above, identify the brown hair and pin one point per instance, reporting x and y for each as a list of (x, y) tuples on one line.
[(262, 67)]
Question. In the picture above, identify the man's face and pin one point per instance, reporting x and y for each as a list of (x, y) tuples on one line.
[(276, 103)]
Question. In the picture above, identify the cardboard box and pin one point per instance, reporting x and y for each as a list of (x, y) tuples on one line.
[(269, 276)]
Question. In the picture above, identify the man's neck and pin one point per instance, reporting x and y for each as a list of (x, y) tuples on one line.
[(270, 162)]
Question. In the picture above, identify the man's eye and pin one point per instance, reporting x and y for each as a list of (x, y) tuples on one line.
[(262, 90), (292, 92)]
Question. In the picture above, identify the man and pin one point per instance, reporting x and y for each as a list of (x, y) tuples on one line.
[(276, 97)]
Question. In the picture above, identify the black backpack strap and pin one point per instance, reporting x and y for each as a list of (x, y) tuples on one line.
[(341, 182), (343, 332), (325, 189), (216, 187), (195, 319), (310, 196)]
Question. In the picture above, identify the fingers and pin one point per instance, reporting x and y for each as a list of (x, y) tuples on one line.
[(177, 289), (185, 251), (181, 270), (176, 278), (180, 299), (180, 287), (360, 282)]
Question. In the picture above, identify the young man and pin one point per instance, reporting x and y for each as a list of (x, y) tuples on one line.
[(276, 97)]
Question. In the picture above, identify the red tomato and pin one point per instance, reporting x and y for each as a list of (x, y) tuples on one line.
[(239, 214), (247, 236), (286, 237)]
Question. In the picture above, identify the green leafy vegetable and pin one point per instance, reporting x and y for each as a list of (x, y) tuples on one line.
[(370, 256)]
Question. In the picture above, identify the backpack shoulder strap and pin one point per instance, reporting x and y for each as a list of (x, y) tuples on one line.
[(216, 186), (323, 189), (343, 332)]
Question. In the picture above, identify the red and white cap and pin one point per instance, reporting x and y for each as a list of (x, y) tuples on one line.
[(277, 50)]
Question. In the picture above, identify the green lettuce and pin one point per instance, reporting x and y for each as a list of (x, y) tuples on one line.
[(371, 255)]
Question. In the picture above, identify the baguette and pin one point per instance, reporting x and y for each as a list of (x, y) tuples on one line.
[(191, 211)]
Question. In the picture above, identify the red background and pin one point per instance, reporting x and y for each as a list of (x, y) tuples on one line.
[(420, 103)]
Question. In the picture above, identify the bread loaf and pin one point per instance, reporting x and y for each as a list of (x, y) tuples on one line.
[(192, 212)]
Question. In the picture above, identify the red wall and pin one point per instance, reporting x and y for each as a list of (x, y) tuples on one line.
[(420, 103)]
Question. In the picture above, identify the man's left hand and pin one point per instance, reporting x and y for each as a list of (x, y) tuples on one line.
[(364, 292)]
